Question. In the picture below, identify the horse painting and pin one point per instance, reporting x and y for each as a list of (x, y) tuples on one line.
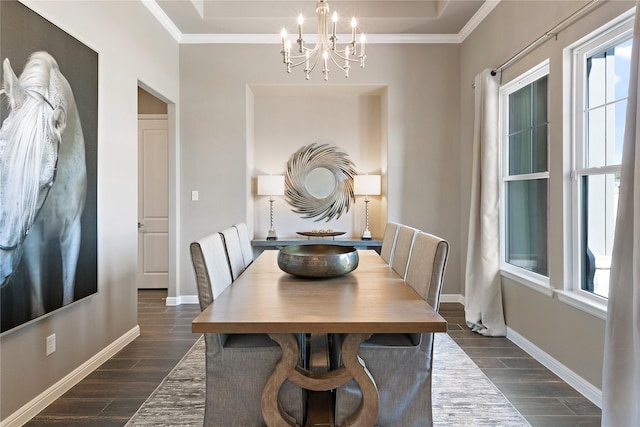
[(43, 176)]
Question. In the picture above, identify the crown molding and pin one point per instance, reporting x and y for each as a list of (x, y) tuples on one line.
[(162, 17), (276, 39), (477, 18), (181, 38), (412, 38)]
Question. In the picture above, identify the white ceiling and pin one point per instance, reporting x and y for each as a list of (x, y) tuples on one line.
[(260, 21)]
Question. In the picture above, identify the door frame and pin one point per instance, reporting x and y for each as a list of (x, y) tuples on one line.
[(173, 297)]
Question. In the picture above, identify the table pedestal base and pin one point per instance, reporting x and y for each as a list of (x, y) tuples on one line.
[(353, 367)]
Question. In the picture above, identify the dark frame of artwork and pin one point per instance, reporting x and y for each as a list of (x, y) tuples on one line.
[(23, 32)]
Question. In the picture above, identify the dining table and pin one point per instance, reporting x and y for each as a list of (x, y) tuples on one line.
[(371, 299)]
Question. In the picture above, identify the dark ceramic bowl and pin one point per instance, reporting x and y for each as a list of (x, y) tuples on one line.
[(318, 260)]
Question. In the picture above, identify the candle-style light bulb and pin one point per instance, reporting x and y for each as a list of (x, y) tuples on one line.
[(354, 24), (307, 70), (300, 22), (283, 33), (288, 55), (362, 40), (325, 70), (334, 19)]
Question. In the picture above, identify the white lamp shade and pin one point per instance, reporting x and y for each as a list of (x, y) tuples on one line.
[(270, 185), (366, 185)]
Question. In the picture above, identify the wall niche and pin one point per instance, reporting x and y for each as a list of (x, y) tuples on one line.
[(283, 119)]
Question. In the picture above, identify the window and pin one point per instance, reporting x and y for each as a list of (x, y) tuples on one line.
[(601, 80), (525, 175)]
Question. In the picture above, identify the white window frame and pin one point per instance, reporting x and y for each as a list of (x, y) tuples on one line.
[(574, 62), (529, 278)]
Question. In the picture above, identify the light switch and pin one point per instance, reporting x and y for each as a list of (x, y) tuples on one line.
[(194, 196), (51, 344)]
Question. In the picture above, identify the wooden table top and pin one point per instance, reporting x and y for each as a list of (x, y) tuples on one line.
[(371, 299)]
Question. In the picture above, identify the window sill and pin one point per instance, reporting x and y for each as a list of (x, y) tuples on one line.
[(536, 285), (592, 305), (595, 306)]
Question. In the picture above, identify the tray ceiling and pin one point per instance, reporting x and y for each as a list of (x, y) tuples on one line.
[(376, 18)]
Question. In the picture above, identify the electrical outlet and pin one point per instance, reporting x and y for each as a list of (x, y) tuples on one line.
[(51, 344), (194, 195)]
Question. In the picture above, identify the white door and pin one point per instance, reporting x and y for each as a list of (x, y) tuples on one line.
[(153, 206)]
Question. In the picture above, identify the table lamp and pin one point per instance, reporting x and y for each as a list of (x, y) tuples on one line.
[(366, 185), (271, 185)]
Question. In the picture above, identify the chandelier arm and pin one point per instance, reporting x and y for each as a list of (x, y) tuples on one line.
[(311, 51), (333, 59), (315, 61), (345, 58), (297, 64)]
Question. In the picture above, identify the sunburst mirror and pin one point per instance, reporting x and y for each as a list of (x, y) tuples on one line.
[(319, 182)]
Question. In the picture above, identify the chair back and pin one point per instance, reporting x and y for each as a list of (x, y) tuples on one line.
[(234, 252), (425, 272), (211, 268), (402, 249), (389, 241), (245, 243)]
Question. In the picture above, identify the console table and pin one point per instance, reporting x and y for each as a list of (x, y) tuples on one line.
[(260, 245)]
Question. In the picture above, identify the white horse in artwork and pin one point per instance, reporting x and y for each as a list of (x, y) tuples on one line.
[(43, 176)]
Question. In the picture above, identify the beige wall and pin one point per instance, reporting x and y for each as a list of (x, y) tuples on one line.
[(419, 152), (132, 47), (571, 336)]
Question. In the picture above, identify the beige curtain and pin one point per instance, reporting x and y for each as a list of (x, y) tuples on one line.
[(621, 371), (483, 297)]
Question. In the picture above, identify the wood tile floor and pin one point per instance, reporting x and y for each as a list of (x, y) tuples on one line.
[(112, 394), (541, 396)]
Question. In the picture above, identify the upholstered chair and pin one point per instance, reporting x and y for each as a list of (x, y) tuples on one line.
[(401, 364), (389, 241), (402, 249), (237, 365), (234, 251), (245, 243), (422, 275)]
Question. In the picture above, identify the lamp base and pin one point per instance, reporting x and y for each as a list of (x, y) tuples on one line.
[(272, 235), (366, 235)]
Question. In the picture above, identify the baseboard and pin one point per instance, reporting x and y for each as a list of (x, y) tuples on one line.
[(182, 299), (40, 402), (452, 298), (584, 387)]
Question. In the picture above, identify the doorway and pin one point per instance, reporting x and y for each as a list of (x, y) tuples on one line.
[(153, 192)]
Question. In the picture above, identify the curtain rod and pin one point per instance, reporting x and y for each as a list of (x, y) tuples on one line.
[(551, 33)]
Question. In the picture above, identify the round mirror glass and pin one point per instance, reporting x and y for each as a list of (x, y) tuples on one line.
[(320, 182)]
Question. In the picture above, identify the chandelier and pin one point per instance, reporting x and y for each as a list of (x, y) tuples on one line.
[(326, 48)]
